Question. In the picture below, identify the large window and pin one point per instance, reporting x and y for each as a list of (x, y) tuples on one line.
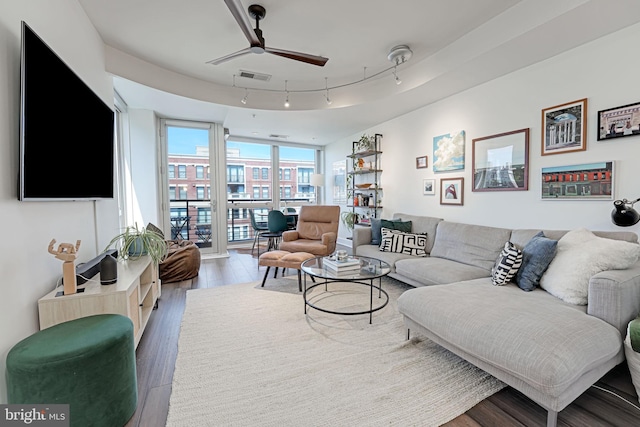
[(262, 173)]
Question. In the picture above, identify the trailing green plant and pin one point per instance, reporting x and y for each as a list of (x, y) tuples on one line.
[(135, 242), (349, 219), (365, 143)]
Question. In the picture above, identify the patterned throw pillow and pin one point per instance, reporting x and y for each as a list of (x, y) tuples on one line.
[(507, 265), (403, 243)]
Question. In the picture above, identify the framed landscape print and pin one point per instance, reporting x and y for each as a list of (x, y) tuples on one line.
[(452, 191), (564, 128), (428, 187), (448, 152), (501, 162), (587, 181), (619, 122)]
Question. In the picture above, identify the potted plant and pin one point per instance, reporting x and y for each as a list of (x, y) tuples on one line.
[(350, 219), (365, 143), (135, 242)]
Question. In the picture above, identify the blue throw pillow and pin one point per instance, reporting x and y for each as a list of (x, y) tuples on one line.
[(537, 254), (393, 224)]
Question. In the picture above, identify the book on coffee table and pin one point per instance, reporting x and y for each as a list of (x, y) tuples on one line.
[(348, 264)]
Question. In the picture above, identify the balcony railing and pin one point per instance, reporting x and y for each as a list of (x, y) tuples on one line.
[(191, 218)]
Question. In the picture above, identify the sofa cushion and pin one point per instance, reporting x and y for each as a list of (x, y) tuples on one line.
[(404, 243), (537, 254), (507, 265), (437, 271), (580, 255), (373, 251), (393, 224), (531, 335), (470, 244), (422, 224)]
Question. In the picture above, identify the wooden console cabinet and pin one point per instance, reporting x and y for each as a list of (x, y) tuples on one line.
[(134, 295)]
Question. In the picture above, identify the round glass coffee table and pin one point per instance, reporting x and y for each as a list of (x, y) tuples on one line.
[(364, 271)]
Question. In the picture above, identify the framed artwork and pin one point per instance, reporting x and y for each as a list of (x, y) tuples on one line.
[(452, 191), (587, 181), (564, 128), (619, 122), (448, 152), (421, 162), (501, 162), (429, 187)]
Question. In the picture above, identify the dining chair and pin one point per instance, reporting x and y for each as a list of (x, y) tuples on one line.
[(258, 227), (292, 217)]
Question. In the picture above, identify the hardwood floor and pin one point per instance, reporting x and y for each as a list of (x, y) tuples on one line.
[(156, 355)]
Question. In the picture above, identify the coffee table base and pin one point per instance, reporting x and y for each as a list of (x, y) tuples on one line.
[(370, 284)]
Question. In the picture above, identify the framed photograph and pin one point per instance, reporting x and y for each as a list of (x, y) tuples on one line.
[(587, 181), (421, 162), (618, 122), (452, 191), (564, 128), (501, 162), (448, 152), (429, 187)]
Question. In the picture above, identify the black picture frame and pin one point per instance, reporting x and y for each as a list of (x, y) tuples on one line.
[(619, 122)]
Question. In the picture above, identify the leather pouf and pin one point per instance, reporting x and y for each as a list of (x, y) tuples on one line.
[(88, 363), (182, 262)]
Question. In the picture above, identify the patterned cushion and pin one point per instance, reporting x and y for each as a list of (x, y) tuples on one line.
[(507, 265), (403, 243)]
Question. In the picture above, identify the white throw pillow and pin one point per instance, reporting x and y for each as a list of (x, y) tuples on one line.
[(580, 255)]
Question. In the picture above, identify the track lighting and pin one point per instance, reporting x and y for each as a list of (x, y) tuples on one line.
[(326, 86), (398, 55), (286, 101), (398, 81)]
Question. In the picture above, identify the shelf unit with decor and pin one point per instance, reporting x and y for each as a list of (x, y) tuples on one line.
[(135, 295), (365, 169)]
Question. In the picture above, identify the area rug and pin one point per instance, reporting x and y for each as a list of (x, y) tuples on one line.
[(249, 356)]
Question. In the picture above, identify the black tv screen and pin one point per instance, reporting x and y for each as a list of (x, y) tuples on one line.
[(66, 130)]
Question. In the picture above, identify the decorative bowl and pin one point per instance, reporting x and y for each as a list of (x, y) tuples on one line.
[(364, 186)]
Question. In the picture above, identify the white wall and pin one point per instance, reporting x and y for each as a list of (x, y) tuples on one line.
[(604, 71), (28, 270)]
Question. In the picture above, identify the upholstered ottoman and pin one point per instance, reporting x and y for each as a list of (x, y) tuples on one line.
[(284, 260), (88, 363)]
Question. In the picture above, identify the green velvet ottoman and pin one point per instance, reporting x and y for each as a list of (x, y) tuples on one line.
[(88, 363)]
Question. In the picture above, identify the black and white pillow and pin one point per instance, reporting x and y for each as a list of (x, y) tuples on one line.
[(507, 265), (403, 243)]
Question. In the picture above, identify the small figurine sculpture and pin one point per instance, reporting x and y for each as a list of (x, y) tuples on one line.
[(68, 254)]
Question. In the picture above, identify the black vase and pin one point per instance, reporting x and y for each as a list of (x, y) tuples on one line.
[(108, 270)]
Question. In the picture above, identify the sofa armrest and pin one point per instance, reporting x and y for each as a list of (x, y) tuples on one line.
[(361, 236), (290, 235), (614, 296)]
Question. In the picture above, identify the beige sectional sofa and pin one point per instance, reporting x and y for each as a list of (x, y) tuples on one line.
[(548, 349)]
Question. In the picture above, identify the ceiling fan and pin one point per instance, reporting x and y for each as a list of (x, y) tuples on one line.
[(256, 40)]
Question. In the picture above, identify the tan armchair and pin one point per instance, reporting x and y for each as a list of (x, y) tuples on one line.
[(316, 231)]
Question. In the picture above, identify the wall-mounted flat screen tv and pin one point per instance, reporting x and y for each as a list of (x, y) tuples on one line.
[(66, 130)]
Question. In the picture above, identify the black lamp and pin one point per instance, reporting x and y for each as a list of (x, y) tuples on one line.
[(624, 214)]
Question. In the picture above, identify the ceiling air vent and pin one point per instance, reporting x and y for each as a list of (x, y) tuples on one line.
[(254, 76), (273, 135)]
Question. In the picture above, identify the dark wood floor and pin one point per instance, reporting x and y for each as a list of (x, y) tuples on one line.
[(156, 355)]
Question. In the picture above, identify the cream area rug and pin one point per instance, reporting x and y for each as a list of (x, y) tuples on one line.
[(249, 356)]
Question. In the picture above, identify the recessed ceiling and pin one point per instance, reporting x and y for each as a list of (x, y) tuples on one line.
[(158, 52)]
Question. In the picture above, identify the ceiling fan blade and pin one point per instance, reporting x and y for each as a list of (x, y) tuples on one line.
[(230, 56), (243, 20), (304, 57)]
